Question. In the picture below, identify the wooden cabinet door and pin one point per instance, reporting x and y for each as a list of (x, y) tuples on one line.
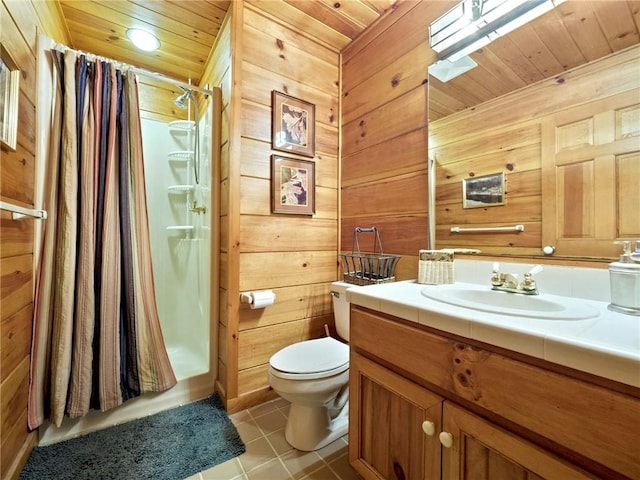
[(590, 176), (387, 439), (483, 451)]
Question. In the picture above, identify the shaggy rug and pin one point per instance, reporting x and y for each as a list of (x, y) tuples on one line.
[(169, 445)]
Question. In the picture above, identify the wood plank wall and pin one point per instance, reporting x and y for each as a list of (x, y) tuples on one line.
[(218, 73), (505, 135), (384, 133), (20, 24), (384, 145), (156, 100), (295, 256)]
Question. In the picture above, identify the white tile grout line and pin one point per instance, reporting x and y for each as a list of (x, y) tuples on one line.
[(278, 456), (275, 408)]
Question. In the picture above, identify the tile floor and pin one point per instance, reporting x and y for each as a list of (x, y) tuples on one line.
[(270, 457)]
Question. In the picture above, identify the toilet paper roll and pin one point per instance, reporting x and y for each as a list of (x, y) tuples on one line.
[(262, 298)]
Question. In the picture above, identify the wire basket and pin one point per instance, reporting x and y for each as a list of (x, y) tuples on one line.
[(368, 268)]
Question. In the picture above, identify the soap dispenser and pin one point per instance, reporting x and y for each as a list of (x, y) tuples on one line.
[(624, 276)]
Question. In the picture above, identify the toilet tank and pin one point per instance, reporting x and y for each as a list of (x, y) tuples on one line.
[(341, 308)]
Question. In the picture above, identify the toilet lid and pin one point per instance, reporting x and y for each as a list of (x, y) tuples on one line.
[(312, 356)]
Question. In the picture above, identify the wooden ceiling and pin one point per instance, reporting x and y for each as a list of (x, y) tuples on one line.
[(576, 32), (187, 29)]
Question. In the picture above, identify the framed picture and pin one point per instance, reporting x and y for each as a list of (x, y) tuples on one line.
[(293, 185), (293, 125), (9, 95), (486, 191)]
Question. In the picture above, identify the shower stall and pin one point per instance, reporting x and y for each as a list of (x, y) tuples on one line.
[(178, 173), (181, 147)]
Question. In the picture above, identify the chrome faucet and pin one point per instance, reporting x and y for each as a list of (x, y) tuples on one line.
[(508, 282)]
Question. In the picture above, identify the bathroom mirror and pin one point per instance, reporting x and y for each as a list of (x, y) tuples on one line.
[(543, 50)]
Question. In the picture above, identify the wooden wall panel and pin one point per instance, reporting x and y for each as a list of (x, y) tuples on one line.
[(16, 275), (296, 256), (16, 340), (401, 115), (307, 26), (397, 195), (400, 155), (397, 233), (218, 73), (296, 302), (628, 169), (251, 380), (384, 136), (264, 270), (402, 75), (404, 30), (506, 135), (19, 24), (156, 100), (256, 345), (379, 107), (286, 233), (553, 95)]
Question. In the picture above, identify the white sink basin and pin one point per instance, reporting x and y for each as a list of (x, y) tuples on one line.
[(478, 297)]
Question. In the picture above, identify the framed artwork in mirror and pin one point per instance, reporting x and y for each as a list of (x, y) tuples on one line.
[(292, 125), (9, 95), (293, 185), (485, 191)]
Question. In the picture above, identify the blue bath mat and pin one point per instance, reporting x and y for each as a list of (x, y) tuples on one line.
[(169, 445)]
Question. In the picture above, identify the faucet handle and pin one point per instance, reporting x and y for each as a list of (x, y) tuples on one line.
[(496, 278), (535, 270), (529, 284)]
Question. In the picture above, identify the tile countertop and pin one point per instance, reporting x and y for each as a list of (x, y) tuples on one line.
[(607, 345)]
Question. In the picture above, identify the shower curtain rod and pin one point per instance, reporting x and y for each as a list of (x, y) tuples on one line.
[(137, 70)]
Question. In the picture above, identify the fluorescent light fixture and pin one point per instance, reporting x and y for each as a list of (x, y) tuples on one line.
[(445, 70), (472, 24), (143, 40)]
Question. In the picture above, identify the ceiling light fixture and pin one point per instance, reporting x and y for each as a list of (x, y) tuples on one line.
[(472, 24), (143, 40), (445, 70)]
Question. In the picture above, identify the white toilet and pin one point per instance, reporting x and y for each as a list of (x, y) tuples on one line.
[(314, 376)]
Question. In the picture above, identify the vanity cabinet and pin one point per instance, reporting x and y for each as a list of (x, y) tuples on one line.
[(388, 416), (403, 431), (426, 405)]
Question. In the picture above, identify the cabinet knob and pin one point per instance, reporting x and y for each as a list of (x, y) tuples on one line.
[(446, 439), (428, 427)]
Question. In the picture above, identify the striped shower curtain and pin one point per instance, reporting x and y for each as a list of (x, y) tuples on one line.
[(97, 339)]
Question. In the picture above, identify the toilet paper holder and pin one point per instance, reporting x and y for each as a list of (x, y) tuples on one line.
[(258, 299)]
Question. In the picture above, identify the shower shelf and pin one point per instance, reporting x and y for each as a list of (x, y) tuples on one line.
[(180, 188), (182, 228), (181, 125), (181, 155)]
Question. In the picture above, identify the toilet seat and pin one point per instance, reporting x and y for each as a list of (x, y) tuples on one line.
[(311, 359)]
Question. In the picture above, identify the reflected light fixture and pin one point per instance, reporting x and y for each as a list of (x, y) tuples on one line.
[(445, 70), (143, 40), (472, 24)]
